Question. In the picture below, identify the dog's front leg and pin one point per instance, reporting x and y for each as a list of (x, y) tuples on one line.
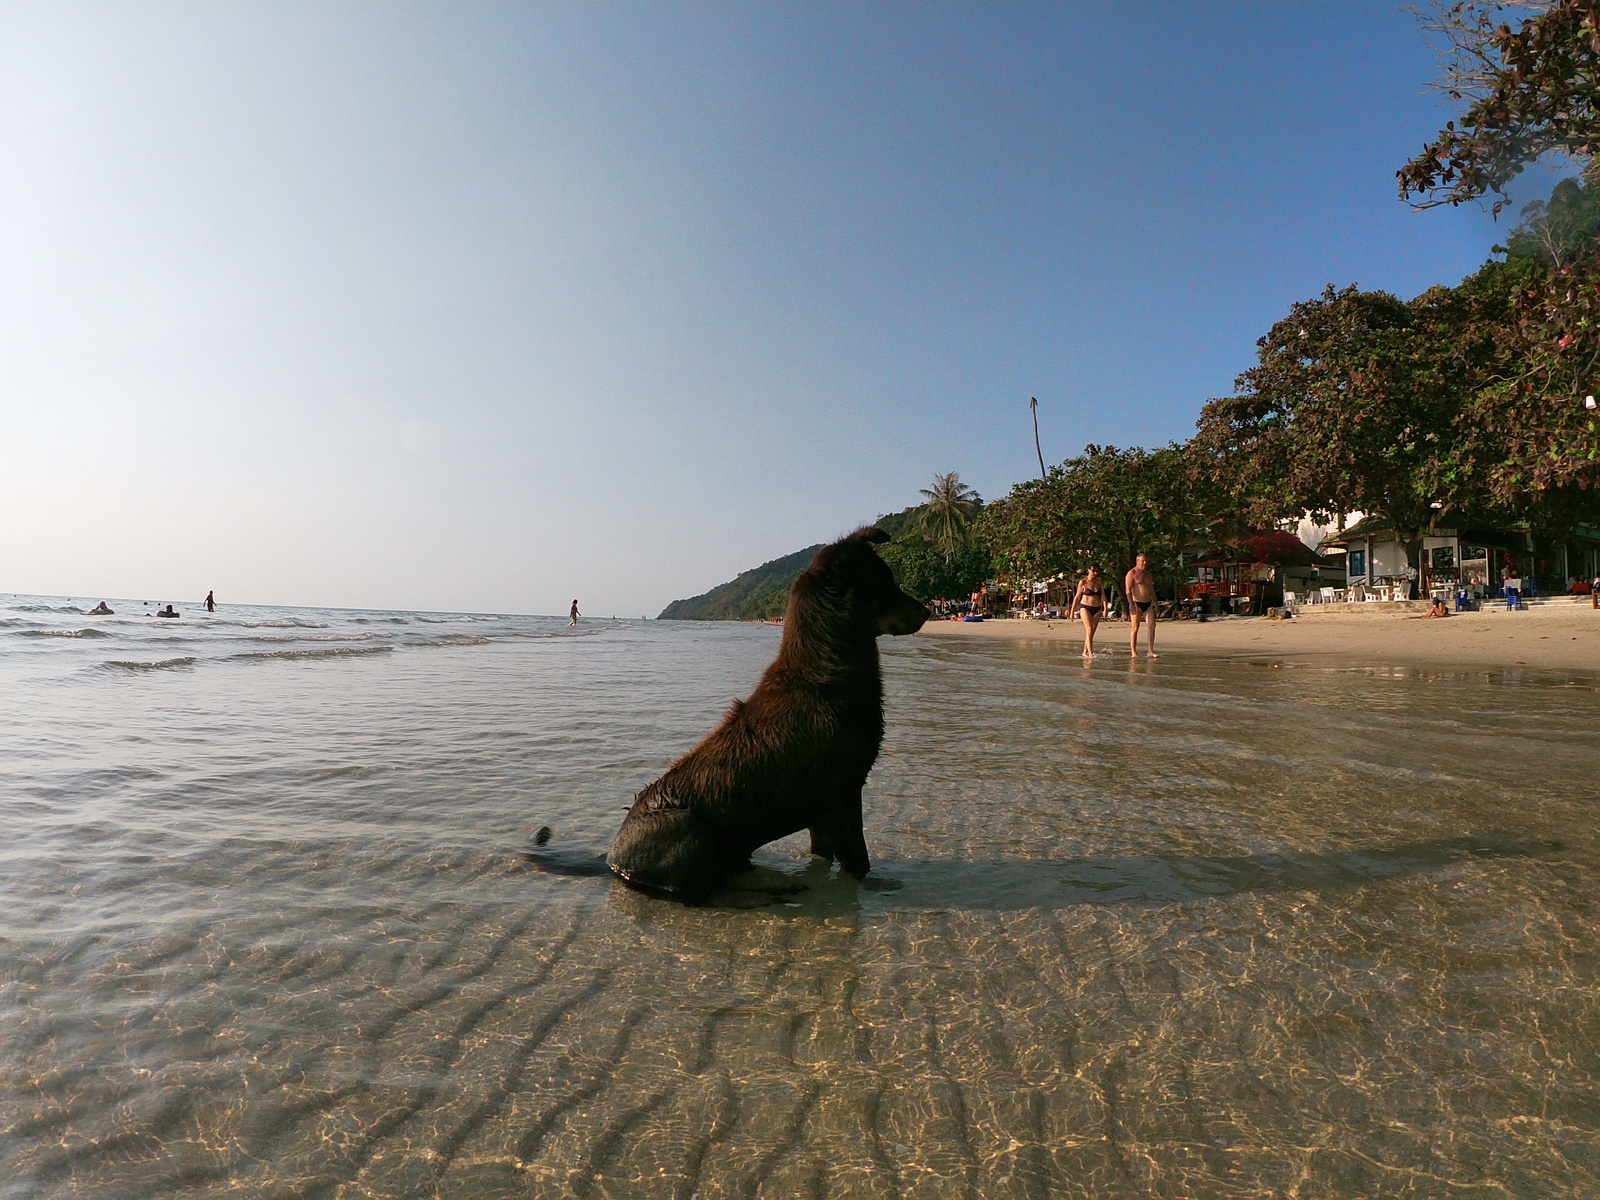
[(849, 839), (853, 854), (822, 843)]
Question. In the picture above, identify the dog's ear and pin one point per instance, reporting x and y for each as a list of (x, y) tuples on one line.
[(871, 534)]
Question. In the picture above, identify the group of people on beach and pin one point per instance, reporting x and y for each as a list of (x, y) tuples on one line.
[(1092, 598)]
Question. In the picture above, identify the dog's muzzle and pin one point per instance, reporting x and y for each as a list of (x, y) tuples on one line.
[(907, 618)]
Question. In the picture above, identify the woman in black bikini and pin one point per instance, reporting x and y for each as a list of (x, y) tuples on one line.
[(1090, 602)]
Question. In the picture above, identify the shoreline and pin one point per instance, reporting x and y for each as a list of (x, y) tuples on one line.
[(1565, 639)]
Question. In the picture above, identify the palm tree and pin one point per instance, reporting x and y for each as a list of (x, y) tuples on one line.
[(950, 506)]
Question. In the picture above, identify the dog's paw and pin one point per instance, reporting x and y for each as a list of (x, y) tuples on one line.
[(878, 883)]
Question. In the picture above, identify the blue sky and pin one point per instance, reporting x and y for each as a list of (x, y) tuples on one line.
[(484, 306)]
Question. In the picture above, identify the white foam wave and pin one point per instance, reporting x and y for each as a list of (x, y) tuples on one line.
[(329, 652), (304, 637), (291, 623)]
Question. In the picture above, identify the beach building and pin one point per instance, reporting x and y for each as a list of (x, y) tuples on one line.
[(1055, 593), (1254, 574), (991, 600), (1470, 556)]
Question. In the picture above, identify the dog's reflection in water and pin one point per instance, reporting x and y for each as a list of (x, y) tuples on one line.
[(757, 886)]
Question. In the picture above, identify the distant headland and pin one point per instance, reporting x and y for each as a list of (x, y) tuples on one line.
[(762, 593)]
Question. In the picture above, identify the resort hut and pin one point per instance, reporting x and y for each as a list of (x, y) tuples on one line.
[(1252, 575), (1471, 557), (1056, 592)]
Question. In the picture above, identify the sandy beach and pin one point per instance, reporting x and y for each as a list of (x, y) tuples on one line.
[(1566, 638)]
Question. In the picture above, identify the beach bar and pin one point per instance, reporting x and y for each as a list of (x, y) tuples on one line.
[(1471, 557), (1257, 573)]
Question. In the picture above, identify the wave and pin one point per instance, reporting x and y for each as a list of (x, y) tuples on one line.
[(66, 633), (290, 623), (455, 639), (164, 665), (379, 621), (55, 608), (330, 652), (302, 637), (562, 633)]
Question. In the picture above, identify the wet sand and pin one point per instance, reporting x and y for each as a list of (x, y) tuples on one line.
[(1558, 639)]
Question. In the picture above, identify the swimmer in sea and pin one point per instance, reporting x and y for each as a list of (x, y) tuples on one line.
[(211, 602), (1140, 587), (1090, 602), (167, 612), (573, 616)]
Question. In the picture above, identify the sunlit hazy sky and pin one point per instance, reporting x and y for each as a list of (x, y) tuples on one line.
[(487, 306)]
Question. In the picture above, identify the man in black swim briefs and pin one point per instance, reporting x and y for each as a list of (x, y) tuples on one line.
[(1140, 587)]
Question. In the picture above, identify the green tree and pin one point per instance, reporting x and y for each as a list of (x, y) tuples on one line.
[(925, 571), (1354, 404), (1558, 232), (1105, 507), (1455, 405), (1527, 431), (1524, 432), (949, 509), (1530, 91)]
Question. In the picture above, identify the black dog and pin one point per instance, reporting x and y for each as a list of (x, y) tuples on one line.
[(796, 753)]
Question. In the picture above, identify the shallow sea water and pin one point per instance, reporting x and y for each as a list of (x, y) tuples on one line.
[(1201, 927)]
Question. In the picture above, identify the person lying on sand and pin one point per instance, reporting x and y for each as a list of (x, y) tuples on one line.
[(1436, 609)]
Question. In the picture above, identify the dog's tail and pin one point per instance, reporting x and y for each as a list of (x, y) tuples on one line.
[(562, 862)]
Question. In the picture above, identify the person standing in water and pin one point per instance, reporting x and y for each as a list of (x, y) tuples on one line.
[(1090, 603), (1140, 586), (573, 615), (211, 601)]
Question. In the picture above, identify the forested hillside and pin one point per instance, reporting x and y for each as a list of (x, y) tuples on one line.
[(757, 594), (761, 593)]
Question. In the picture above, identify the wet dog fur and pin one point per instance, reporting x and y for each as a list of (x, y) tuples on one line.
[(792, 756)]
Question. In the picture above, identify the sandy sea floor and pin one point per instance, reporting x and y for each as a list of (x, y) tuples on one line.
[(1229, 925)]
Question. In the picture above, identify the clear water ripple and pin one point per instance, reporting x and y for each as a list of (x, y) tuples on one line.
[(1200, 927)]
